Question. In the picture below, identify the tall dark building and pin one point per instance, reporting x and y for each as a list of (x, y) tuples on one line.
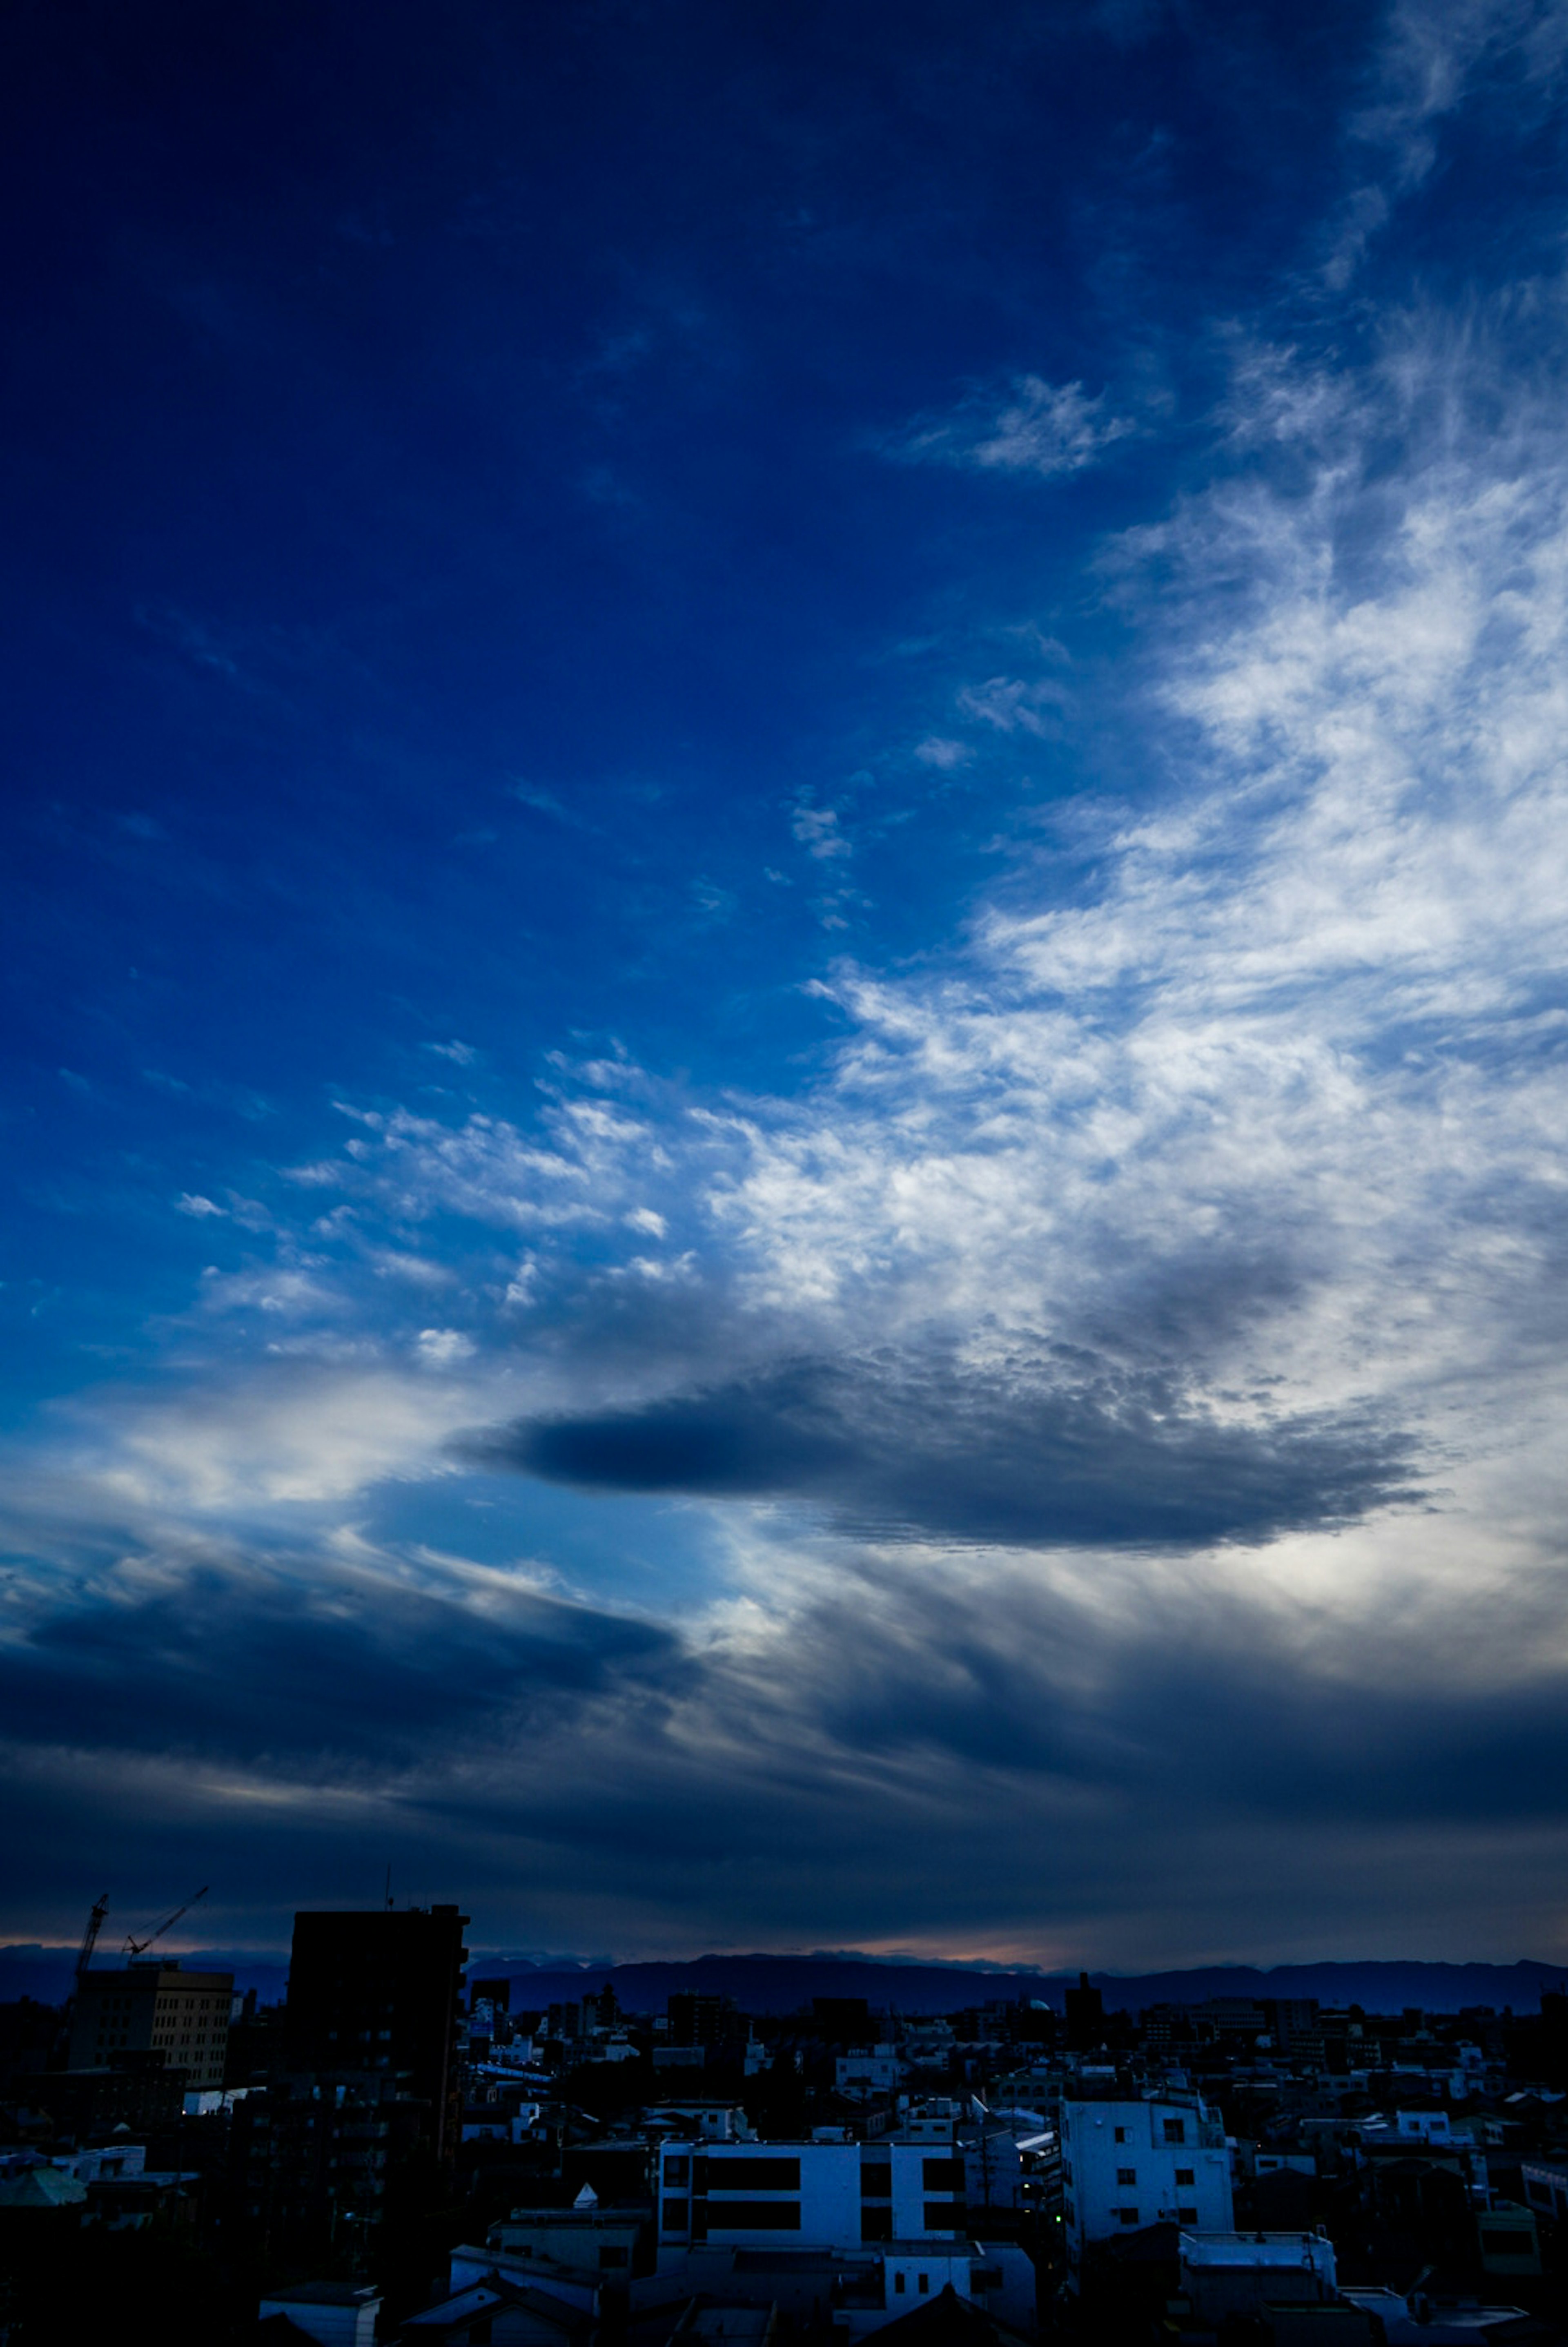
[(377, 1993), (1085, 2011), (696, 2018)]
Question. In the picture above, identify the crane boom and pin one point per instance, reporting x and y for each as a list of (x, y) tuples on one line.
[(135, 1947), (89, 1937)]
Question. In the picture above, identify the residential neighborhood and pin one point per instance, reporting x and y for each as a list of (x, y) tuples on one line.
[(404, 2149)]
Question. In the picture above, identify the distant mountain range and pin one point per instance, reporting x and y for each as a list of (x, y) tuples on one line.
[(784, 1984)]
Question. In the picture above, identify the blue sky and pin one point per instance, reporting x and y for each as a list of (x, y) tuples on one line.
[(786, 872)]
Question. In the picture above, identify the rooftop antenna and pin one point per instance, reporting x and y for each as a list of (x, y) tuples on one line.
[(389, 1896)]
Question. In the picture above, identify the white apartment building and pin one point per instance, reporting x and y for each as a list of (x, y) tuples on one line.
[(831, 2195), (869, 2068), (1129, 2164)]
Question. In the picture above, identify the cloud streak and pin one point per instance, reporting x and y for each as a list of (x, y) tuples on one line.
[(1035, 428), (1107, 1358), (917, 1447)]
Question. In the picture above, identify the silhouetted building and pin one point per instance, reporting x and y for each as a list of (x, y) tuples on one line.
[(842, 2020), (1085, 2011), (699, 2019), (378, 1993)]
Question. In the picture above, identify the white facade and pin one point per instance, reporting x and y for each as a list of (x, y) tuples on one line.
[(713, 2122), (930, 2121), (870, 2068), (584, 2239), (830, 2195), (1125, 2165), (1422, 2126), (1546, 2187), (108, 2161)]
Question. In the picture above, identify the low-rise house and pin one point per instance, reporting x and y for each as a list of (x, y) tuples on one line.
[(500, 2312), (1507, 2242), (707, 2122), (585, 2244), (1230, 2274), (1418, 2320), (335, 2313), (1545, 2184), (869, 2069)]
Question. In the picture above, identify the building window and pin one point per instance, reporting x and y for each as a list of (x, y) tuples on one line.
[(922, 2283), (1176, 2130), (754, 2174), (1120, 2134), (1185, 2175), (753, 2215), (1186, 2216), (899, 2283), (1127, 2216), (678, 2171), (1127, 2175)]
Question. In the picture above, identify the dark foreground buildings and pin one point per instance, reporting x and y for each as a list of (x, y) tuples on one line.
[(376, 1999), (379, 2165)]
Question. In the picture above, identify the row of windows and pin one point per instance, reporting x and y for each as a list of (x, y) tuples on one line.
[(1175, 2131), (761, 2174), (784, 2217), (1130, 2176), (1130, 2216)]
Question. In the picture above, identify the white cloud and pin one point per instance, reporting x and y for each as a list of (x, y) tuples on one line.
[(817, 829), (1012, 704), (1034, 428), (192, 1203), (1433, 54), (1300, 1043), (945, 755), (443, 1347)]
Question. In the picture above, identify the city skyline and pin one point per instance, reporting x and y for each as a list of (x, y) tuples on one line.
[(787, 869)]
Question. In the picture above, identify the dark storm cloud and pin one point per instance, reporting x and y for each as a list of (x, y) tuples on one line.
[(1207, 1702), (903, 1448), (247, 1664), (1160, 1741)]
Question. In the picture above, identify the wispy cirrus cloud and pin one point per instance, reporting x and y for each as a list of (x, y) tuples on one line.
[(1430, 60), (1032, 427), (1153, 1298)]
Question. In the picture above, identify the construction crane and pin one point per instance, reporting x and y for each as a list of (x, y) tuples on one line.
[(89, 1937), (137, 1947)]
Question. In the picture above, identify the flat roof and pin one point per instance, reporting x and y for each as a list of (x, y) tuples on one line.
[(1218, 2249)]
